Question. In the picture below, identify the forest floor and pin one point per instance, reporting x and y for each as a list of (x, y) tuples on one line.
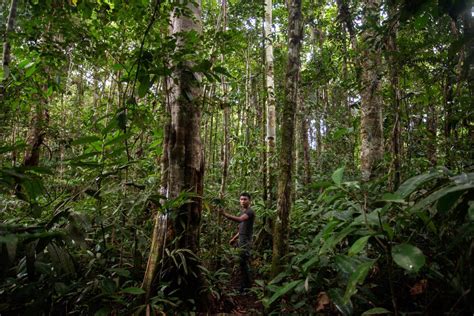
[(235, 303)]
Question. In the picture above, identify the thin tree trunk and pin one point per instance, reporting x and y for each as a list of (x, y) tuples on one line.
[(371, 107), (226, 143), (344, 15), (271, 112), (468, 70), (281, 230), (6, 58), (394, 66), (226, 115), (432, 126), (305, 145)]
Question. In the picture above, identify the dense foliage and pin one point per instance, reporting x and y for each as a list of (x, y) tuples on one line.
[(83, 126)]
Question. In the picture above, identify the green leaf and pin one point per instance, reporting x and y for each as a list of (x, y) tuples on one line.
[(346, 308), (104, 311), (117, 67), (108, 286), (49, 92), (447, 202), (409, 186), (471, 210), (439, 194), (321, 185), (357, 277), (222, 71), (408, 257), (358, 245), (118, 139), (85, 140), (145, 84), (18, 146), (23, 63), (282, 291), (11, 242), (346, 264), (122, 120), (134, 290), (393, 197), (421, 21), (311, 262), (30, 71), (376, 311), (337, 176)]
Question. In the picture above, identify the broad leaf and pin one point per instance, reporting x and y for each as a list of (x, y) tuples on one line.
[(337, 176), (346, 264), (439, 194), (408, 257), (409, 186)]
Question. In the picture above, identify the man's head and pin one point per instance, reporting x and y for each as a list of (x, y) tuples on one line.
[(245, 199)]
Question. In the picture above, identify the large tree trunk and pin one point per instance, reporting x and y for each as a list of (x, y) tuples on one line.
[(36, 135), (371, 108), (281, 232), (271, 112), (186, 164)]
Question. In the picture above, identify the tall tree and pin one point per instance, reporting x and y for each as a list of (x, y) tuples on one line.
[(186, 164), (6, 43), (394, 73), (286, 154), (270, 101), (186, 159), (371, 102)]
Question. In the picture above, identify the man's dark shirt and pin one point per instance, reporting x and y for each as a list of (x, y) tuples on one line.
[(246, 229)]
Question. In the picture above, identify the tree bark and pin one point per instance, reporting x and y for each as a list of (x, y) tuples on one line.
[(6, 58), (432, 127), (344, 15), (271, 112), (36, 135), (186, 163), (281, 232), (394, 66), (371, 107)]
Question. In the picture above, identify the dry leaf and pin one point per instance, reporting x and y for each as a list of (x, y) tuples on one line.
[(323, 301), (419, 287)]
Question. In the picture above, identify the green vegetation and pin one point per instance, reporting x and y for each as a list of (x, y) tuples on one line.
[(125, 126)]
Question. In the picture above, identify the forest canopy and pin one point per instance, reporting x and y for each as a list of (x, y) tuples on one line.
[(129, 130)]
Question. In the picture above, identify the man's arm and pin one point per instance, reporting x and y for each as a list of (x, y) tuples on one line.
[(233, 239), (238, 219)]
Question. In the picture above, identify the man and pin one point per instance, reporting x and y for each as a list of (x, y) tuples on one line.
[(245, 220)]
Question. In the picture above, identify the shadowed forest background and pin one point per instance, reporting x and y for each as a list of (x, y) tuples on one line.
[(127, 126)]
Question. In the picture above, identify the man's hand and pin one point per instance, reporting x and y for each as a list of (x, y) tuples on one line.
[(233, 240)]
